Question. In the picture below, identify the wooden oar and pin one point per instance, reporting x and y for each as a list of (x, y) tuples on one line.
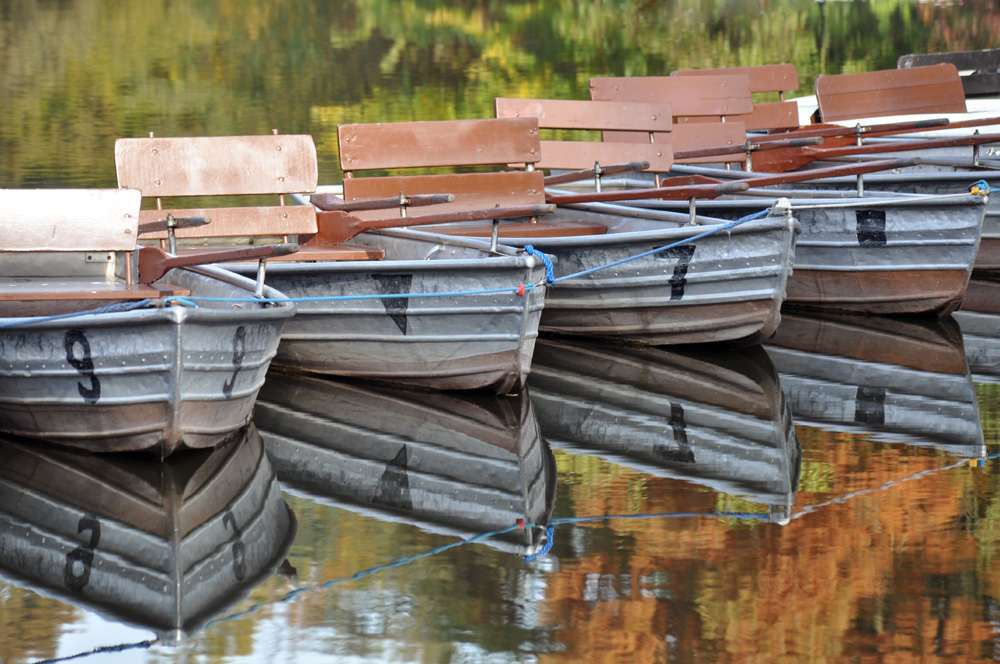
[(333, 203), (583, 174), (172, 222), (154, 262), (696, 191), (339, 227), (834, 131)]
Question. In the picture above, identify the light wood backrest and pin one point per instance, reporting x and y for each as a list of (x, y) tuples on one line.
[(68, 219), (223, 166), (444, 143), (920, 90), (597, 116)]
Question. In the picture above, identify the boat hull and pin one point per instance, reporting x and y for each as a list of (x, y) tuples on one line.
[(381, 330), (159, 545), (724, 287), (154, 379), (462, 464)]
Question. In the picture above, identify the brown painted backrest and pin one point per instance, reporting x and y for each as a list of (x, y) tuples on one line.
[(920, 90), (455, 144), (780, 78), (696, 100), (223, 166), (598, 116)]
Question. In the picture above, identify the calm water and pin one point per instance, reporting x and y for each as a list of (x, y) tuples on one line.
[(828, 498)]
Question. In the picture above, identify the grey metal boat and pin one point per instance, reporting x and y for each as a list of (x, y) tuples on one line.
[(165, 546), (891, 254), (715, 418), (95, 354), (979, 319), (894, 380), (458, 464)]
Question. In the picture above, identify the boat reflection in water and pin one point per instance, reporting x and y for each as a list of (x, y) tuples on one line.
[(895, 380), (164, 545), (457, 464), (979, 318), (717, 418)]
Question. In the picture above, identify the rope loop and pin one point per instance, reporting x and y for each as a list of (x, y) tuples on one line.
[(981, 188), (550, 275), (550, 537)]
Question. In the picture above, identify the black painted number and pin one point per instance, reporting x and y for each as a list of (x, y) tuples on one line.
[(682, 254), (83, 363), (871, 228), (79, 561), (239, 350), (239, 549)]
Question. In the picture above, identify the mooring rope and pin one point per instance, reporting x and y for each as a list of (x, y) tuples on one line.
[(110, 309)]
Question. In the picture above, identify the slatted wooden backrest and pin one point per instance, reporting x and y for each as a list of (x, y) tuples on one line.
[(698, 103), (223, 166), (587, 115), (934, 89), (983, 77), (780, 78), (444, 143), (68, 219)]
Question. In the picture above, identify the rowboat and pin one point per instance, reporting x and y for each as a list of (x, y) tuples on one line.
[(712, 418), (979, 319), (887, 254), (417, 310), (454, 464), (165, 546), (98, 347), (676, 283), (900, 381)]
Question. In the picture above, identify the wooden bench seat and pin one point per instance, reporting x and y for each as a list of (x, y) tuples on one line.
[(916, 91), (762, 80), (64, 245)]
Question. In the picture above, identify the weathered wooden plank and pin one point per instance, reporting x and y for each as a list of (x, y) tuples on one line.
[(217, 165), (688, 95), (762, 78), (239, 221), (934, 89), (587, 114), (68, 219)]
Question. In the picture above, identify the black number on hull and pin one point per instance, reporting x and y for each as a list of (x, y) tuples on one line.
[(239, 351), (84, 365), (76, 577), (682, 255)]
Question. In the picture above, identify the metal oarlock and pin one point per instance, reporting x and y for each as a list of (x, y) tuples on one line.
[(258, 290)]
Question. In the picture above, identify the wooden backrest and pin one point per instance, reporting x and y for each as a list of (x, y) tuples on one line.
[(983, 77), (716, 96), (920, 90), (597, 116), (223, 166), (444, 143), (695, 100), (68, 219), (697, 134), (780, 78)]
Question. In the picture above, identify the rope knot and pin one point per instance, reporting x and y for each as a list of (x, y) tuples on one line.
[(550, 275), (982, 187)]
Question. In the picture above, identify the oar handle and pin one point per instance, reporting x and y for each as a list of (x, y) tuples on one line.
[(172, 222), (585, 173), (154, 262)]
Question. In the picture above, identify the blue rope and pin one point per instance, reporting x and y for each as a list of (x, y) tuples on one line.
[(712, 231), (110, 309), (550, 275), (981, 187), (550, 538)]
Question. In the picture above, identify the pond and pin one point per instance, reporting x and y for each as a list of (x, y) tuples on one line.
[(831, 496)]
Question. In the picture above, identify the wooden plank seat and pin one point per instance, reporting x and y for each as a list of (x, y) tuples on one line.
[(979, 70), (237, 166), (72, 245), (762, 80), (511, 200), (916, 91)]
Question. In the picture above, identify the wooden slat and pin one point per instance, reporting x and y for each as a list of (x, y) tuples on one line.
[(438, 143), (240, 221), (770, 115), (587, 114), (473, 191), (934, 89), (68, 219), (217, 165), (762, 78), (575, 155), (693, 136), (39, 289), (311, 253), (687, 95)]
